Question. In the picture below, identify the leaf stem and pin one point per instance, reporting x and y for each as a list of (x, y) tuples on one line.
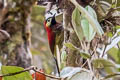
[(104, 51)]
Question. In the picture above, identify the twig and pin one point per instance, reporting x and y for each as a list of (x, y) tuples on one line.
[(94, 2), (50, 76), (104, 51), (91, 56), (94, 51), (5, 33), (109, 23), (90, 67), (11, 74), (111, 75), (84, 64), (118, 46), (117, 8), (28, 69), (85, 46)]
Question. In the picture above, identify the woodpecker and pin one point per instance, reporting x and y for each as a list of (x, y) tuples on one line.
[(55, 35)]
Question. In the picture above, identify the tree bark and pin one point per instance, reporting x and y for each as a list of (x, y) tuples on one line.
[(15, 24), (73, 57), (70, 36)]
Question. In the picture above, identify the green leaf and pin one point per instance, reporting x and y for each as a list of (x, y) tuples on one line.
[(110, 70), (109, 34), (76, 73), (85, 55), (76, 18), (117, 27), (63, 56), (114, 53), (95, 24), (82, 76), (101, 63), (114, 3), (91, 11), (65, 72), (87, 29), (63, 59), (13, 69), (114, 76), (81, 25), (70, 46), (114, 42), (104, 65), (70, 71)]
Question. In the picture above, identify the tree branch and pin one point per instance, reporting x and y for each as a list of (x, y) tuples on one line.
[(11, 74), (47, 75), (111, 75), (28, 69)]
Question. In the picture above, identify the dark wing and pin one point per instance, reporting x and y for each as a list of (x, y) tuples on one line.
[(59, 31)]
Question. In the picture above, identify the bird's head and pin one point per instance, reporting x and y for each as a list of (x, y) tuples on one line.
[(50, 21)]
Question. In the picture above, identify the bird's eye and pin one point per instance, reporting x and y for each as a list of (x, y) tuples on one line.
[(48, 20)]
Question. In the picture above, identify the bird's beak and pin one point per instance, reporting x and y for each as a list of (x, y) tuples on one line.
[(54, 16)]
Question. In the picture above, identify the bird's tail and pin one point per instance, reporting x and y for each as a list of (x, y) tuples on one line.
[(58, 69)]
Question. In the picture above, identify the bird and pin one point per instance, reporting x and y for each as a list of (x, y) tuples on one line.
[(55, 35)]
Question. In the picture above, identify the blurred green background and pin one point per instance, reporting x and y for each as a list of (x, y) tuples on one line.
[(42, 57)]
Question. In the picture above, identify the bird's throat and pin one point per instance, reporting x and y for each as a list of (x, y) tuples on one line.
[(51, 38)]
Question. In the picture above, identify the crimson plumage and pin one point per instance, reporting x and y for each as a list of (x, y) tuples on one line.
[(51, 37)]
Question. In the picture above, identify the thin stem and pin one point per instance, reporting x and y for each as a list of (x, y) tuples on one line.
[(118, 46), (90, 67), (111, 75), (104, 51), (28, 69), (47, 75), (117, 8), (11, 74), (91, 55), (84, 64)]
